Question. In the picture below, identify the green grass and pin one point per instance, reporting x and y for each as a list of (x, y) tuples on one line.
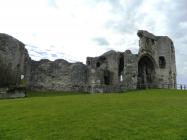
[(136, 115), (52, 93)]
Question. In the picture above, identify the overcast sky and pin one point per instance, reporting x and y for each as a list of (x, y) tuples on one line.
[(75, 29)]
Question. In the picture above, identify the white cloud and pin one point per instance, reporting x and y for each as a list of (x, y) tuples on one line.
[(66, 28)]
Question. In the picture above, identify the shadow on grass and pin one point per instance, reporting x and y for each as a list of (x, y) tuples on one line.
[(63, 93), (52, 93)]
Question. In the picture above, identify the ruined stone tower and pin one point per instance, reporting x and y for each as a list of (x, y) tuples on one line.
[(153, 67), (156, 61)]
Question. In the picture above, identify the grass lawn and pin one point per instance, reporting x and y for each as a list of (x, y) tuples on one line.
[(135, 115)]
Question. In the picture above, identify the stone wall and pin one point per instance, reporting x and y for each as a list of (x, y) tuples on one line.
[(58, 75), (14, 61), (113, 71), (160, 50), (105, 71), (130, 70)]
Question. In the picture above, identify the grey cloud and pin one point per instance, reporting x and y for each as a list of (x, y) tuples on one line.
[(109, 49), (54, 55), (131, 18), (173, 12), (41, 53), (33, 56), (36, 51), (101, 41), (128, 16), (31, 47)]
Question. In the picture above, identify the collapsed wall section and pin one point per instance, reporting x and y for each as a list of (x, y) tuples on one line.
[(130, 70), (106, 72)]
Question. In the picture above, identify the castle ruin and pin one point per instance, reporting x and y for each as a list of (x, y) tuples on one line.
[(153, 67)]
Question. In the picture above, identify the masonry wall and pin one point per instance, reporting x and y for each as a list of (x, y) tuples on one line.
[(162, 52), (167, 73), (14, 61), (130, 70), (111, 72), (105, 72), (58, 75)]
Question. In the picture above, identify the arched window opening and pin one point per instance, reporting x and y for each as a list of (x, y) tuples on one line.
[(106, 80), (88, 63), (162, 62), (146, 72), (107, 77), (98, 64), (121, 65)]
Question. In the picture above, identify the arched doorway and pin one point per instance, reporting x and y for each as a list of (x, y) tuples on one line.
[(146, 72)]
